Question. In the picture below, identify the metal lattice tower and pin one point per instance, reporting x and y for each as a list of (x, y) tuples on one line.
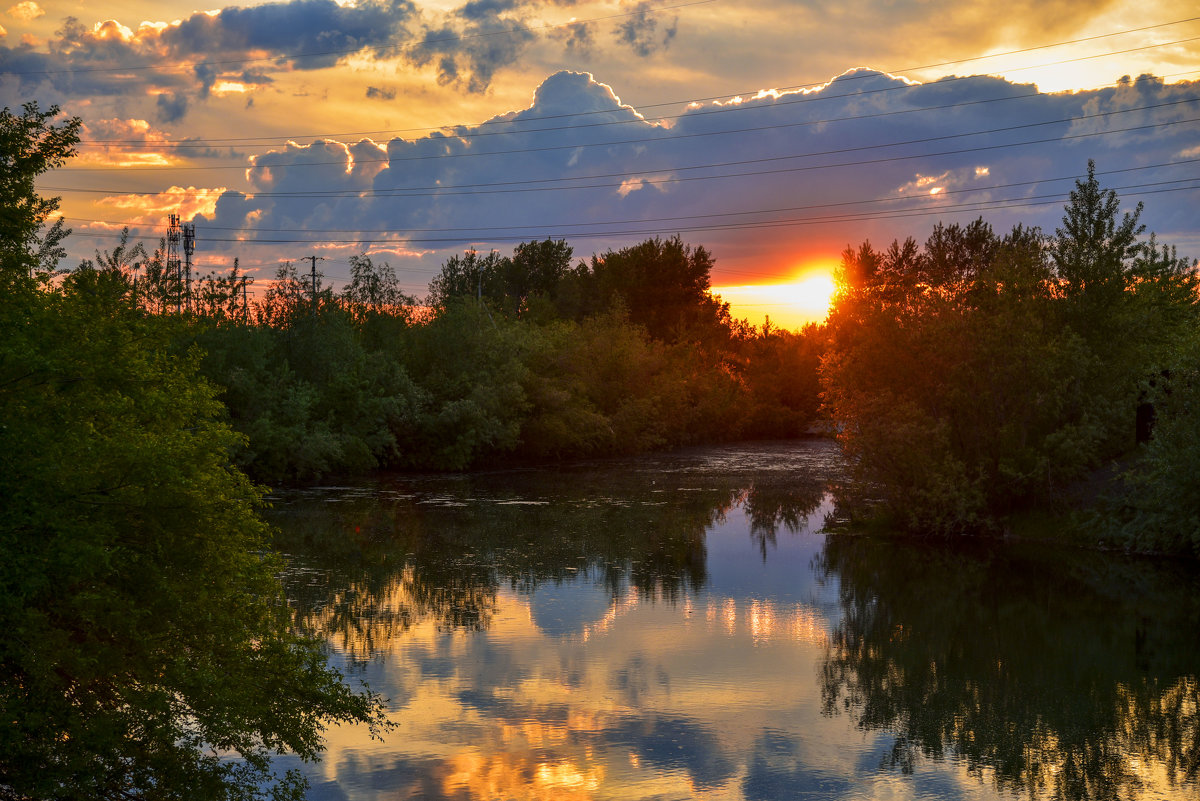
[(173, 265), (189, 247)]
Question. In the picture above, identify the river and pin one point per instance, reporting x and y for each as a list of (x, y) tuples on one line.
[(684, 626)]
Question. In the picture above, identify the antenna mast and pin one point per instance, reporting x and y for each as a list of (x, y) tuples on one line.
[(189, 247), (173, 268)]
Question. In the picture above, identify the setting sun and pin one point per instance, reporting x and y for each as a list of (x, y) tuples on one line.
[(791, 304)]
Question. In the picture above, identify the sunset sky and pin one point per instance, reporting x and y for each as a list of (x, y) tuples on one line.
[(773, 133)]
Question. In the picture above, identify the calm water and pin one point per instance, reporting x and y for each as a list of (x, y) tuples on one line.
[(681, 627)]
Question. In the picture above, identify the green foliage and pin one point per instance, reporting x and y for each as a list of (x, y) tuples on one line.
[(605, 386), (31, 144), (310, 398), (528, 282), (980, 374), (464, 277), (662, 285), (506, 365), (146, 647), (779, 369), (374, 302), (471, 370), (145, 633), (1157, 508)]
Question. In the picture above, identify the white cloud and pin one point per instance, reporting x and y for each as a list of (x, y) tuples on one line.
[(773, 172)]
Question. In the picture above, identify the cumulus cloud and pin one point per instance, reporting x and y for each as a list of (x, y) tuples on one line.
[(26, 11), (855, 159), (132, 142), (153, 208)]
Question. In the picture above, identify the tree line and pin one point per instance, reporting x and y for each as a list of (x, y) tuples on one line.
[(982, 376), (528, 356)]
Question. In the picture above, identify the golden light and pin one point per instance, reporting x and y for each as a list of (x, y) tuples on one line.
[(792, 304)]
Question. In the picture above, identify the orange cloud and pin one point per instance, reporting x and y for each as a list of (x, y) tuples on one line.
[(26, 11), (123, 143), (154, 208), (111, 30)]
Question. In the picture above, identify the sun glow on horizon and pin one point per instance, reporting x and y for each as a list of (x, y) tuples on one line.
[(790, 304)]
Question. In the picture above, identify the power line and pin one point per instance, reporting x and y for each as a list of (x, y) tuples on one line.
[(666, 135), (653, 140), (679, 218), (777, 103), (795, 87), (648, 121), (508, 187), (553, 232)]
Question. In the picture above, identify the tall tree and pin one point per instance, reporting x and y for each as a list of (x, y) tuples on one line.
[(30, 144), (146, 646)]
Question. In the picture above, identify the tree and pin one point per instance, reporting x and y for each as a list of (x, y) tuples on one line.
[(29, 146), (983, 374), (533, 275), (664, 286), (467, 276), (960, 398), (1093, 247), (144, 635), (374, 291), (1129, 300)]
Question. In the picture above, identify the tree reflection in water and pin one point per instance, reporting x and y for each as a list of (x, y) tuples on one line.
[(1059, 675), (369, 562)]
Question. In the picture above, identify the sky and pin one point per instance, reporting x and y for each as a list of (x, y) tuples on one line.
[(775, 133)]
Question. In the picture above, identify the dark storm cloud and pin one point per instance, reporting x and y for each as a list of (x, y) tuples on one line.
[(309, 34), (110, 60), (466, 47), (779, 159), (579, 38), (381, 93), (640, 32), (485, 9), (171, 107), (468, 53)]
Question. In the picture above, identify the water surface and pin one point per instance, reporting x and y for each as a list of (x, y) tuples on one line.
[(682, 626)]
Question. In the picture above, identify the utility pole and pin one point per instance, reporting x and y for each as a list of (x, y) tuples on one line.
[(240, 283), (313, 259), (189, 247)]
